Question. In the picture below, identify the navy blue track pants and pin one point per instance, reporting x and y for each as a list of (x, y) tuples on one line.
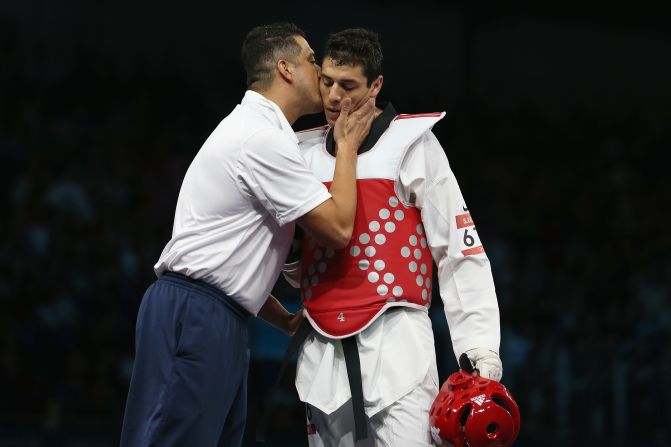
[(189, 381)]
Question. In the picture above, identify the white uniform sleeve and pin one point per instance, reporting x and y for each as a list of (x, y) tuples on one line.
[(464, 273), (272, 169)]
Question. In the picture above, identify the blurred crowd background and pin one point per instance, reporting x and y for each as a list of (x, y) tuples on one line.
[(557, 126)]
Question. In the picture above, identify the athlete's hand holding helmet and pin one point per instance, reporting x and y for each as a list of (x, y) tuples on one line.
[(474, 410)]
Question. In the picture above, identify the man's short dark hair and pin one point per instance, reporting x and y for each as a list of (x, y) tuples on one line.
[(263, 46), (356, 46)]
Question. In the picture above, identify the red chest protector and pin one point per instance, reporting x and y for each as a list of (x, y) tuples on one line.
[(387, 262)]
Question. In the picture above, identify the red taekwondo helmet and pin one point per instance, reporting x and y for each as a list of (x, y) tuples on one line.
[(472, 411)]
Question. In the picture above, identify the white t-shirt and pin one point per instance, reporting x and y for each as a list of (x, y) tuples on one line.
[(240, 196), (397, 350)]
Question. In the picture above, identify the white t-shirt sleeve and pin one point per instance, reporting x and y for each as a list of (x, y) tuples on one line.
[(272, 169)]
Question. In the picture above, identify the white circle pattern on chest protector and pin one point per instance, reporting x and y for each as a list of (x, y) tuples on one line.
[(384, 213), (374, 252), (379, 265)]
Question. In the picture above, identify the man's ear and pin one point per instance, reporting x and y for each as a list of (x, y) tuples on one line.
[(376, 86), (285, 70)]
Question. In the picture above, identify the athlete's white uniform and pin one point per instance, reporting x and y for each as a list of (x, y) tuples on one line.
[(397, 355)]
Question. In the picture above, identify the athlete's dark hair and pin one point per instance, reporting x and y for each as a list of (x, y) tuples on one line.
[(263, 46), (356, 46)]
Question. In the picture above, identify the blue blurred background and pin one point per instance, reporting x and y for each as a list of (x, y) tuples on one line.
[(557, 124)]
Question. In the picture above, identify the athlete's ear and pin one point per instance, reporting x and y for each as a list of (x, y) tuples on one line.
[(376, 86)]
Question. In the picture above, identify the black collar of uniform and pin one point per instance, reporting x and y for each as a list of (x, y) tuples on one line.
[(380, 124)]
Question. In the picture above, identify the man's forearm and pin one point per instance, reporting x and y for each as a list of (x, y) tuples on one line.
[(274, 313), (343, 189)]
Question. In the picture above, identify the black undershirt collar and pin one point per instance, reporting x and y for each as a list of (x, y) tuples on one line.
[(379, 126)]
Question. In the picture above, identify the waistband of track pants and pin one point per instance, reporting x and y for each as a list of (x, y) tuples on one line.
[(203, 287)]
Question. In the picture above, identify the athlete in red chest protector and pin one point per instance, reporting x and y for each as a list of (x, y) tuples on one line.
[(367, 371)]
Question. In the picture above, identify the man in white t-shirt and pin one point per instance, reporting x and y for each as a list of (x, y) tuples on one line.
[(367, 370), (233, 226)]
